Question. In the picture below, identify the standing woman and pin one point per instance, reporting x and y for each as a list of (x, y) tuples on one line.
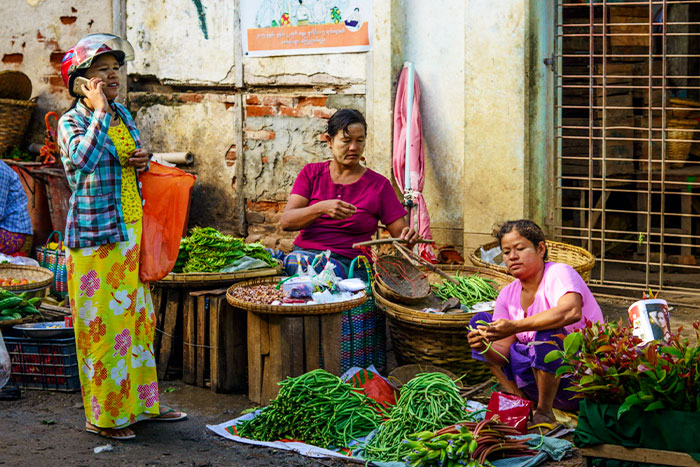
[(112, 311)]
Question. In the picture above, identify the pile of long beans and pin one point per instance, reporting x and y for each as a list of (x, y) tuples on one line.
[(465, 443), (429, 401), (317, 408), (470, 290)]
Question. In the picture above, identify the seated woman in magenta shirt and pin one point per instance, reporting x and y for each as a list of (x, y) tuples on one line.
[(546, 299), (336, 203)]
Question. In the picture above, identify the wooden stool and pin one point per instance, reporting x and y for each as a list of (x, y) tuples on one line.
[(642, 455), (283, 346), (214, 342)]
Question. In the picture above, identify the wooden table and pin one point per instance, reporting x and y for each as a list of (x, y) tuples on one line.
[(286, 341), (641, 455)]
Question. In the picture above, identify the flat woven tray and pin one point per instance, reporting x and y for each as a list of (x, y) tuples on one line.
[(214, 278), (288, 310), (42, 277)]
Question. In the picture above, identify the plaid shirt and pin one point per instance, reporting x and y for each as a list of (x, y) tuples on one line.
[(94, 174), (14, 216)]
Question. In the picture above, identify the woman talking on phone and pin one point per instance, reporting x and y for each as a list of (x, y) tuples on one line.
[(113, 315)]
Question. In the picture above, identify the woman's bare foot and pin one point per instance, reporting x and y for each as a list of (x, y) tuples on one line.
[(112, 433)]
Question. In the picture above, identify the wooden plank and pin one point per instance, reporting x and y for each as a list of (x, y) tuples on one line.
[(189, 339), (157, 300), (169, 324), (233, 355), (649, 456), (293, 336), (273, 371), (202, 338), (254, 357), (330, 342), (311, 343), (216, 368)]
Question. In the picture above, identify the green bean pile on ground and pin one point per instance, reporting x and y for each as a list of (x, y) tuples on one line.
[(317, 408), (429, 401), (470, 291)]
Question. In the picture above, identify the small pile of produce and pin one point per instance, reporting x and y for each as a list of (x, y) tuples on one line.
[(11, 282), (467, 443), (264, 294), (609, 365), (14, 307), (470, 291), (317, 408), (428, 402), (208, 250)]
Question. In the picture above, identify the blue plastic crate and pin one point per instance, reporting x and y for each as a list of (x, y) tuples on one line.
[(47, 364)]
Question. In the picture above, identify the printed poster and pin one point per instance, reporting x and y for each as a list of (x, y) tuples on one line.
[(301, 27)]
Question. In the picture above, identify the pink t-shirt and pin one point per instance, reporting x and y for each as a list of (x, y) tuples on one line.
[(558, 279), (372, 195)]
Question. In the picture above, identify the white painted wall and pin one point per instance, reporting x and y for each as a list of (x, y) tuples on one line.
[(41, 31), (170, 43), (434, 33)]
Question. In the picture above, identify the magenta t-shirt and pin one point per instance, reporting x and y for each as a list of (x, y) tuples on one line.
[(372, 195), (558, 279)]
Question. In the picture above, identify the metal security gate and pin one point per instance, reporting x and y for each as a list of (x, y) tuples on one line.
[(627, 77)]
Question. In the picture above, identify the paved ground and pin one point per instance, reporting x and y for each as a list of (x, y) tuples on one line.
[(46, 428)]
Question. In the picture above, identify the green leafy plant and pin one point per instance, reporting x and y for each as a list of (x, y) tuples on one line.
[(608, 364)]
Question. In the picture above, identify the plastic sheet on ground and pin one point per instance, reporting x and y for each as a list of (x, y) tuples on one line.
[(555, 448)]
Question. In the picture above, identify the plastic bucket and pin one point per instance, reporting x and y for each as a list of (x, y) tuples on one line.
[(650, 319)]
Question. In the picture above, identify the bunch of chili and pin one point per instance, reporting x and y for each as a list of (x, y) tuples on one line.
[(429, 401), (466, 443), (317, 408), (470, 290)]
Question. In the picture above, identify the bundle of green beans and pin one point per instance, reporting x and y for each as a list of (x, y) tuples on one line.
[(317, 408), (208, 250), (470, 291), (428, 402)]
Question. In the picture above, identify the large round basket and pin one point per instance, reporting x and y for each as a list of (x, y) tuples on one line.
[(14, 118), (679, 137), (437, 339), (42, 277), (576, 257), (193, 279), (288, 310)]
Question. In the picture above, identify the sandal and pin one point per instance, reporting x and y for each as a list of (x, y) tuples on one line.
[(111, 433), (165, 415)]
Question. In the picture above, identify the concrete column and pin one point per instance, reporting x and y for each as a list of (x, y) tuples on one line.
[(505, 162), (383, 66)]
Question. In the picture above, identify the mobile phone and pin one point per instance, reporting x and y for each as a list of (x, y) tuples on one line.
[(77, 83)]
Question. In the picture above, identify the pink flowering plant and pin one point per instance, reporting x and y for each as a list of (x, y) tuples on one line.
[(608, 364)]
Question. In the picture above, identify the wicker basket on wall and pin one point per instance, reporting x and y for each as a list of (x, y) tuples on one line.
[(678, 151), (15, 115), (437, 339), (576, 257)]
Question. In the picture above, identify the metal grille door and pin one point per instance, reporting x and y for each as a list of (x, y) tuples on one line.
[(627, 110)]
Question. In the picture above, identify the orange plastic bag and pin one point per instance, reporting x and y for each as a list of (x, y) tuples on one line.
[(166, 192)]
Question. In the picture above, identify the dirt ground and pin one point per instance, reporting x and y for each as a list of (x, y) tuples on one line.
[(45, 428)]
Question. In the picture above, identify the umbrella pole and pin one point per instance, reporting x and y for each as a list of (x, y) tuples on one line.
[(408, 192)]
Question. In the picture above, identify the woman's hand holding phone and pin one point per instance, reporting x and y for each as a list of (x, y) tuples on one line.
[(139, 159)]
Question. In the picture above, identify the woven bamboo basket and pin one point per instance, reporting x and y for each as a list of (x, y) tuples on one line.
[(42, 277), (576, 257), (14, 118), (682, 108), (437, 339), (191, 279), (287, 310), (679, 140), (400, 280)]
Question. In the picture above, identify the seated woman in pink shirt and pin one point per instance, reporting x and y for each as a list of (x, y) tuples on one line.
[(336, 203), (545, 300)]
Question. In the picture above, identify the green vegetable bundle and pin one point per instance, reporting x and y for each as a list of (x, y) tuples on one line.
[(470, 291), (16, 306), (429, 401), (317, 408), (208, 250)]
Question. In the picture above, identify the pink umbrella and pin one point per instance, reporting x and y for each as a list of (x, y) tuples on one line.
[(409, 156)]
